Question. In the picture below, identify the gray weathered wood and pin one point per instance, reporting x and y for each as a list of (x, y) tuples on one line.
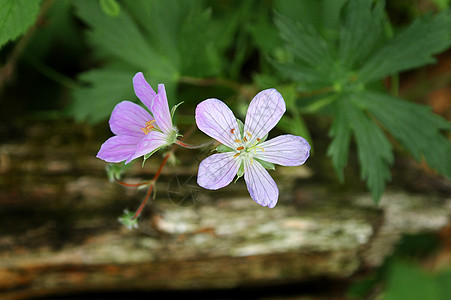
[(59, 229)]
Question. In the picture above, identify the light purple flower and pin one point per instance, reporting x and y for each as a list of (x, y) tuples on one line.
[(138, 132), (246, 150)]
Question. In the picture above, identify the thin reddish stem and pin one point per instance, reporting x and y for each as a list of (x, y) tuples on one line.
[(130, 184), (188, 146), (149, 191), (144, 202)]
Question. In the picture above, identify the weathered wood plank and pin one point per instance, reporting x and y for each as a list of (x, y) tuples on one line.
[(58, 228)]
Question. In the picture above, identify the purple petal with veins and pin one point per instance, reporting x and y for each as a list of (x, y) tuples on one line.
[(262, 188), (214, 118), (152, 141), (264, 112), (217, 170), (285, 150), (143, 90), (118, 148), (160, 110), (128, 118)]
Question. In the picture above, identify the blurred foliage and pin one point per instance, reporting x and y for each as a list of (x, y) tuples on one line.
[(15, 18), (402, 276), (326, 57)]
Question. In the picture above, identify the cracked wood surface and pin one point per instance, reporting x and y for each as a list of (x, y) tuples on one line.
[(59, 231)]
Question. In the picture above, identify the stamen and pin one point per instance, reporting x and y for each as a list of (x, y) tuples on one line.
[(259, 140), (236, 155), (240, 148), (245, 139), (252, 161), (249, 134), (238, 141), (148, 127), (232, 130)]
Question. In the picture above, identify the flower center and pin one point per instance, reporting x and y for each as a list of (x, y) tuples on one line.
[(247, 150), (149, 127)]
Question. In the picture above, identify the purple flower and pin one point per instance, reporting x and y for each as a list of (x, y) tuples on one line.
[(244, 150), (138, 132)]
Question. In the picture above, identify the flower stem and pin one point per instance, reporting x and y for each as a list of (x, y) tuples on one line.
[(149, 191), (188, 146), (131, 184)]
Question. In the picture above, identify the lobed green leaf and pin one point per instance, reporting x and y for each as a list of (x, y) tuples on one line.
[(360, 31), (103, 89), (340, 132), (15, 18), (374, 150), (415, 126), (410, 48)]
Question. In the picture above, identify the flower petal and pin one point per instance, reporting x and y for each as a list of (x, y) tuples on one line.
[(118, 148), (143, 90), (264, 112), (261, 186), (216, 119), (128, 118), (285, 150), (160, 110), (217, 170), (152, 141)]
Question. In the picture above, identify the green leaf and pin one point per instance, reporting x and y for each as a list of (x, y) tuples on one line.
[(305, 42), (15, 18), (306, 11), (442, 4), (412, 47), (121, 41), (164, 39), (120, 37), (373, 148), (103, 90), (267, 165), (408, 281), (114, 171), (240, 172), (341, 134), (330, 17), (415, 126), (110, 7), (444, 281), (294, 124), (240, 126), (127, 220), (223, 148), (360, 31)]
